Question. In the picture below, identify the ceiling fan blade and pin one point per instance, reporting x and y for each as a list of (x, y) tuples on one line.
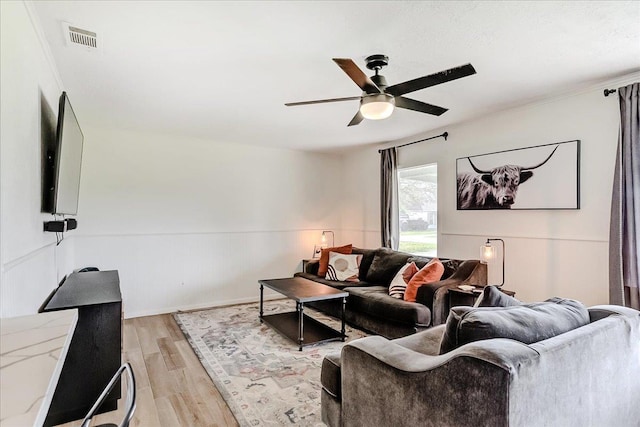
[(356, 74), (423, 107), (431, 80), (321, 101), (356, 119)]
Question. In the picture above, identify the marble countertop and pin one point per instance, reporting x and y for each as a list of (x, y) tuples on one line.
[(30, 349)]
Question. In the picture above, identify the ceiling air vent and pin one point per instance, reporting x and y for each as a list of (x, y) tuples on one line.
[(77, 37)]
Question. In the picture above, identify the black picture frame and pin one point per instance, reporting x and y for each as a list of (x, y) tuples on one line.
[(530, 178)]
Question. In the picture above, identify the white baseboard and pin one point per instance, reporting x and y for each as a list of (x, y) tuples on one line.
[(211, 304)]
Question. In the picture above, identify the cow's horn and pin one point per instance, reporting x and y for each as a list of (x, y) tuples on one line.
[(545, 161), (475, 168)]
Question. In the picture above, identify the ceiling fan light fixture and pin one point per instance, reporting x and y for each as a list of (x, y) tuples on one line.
[(377, 107)]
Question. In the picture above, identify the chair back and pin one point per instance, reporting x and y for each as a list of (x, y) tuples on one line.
[(130, 405)]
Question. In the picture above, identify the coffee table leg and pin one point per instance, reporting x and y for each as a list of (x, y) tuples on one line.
[(261, 296), (300, 307), (344, 309)]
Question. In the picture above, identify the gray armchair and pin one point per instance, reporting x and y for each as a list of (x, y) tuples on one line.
[(589, 376)]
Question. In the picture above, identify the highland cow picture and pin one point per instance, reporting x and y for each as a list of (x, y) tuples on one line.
[(540, 177)]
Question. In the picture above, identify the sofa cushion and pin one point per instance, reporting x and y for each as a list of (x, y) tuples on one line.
[(493, 297), (375, 301), (430, 273), (527, 323), (324, 257), (330, 374), (385, 265)]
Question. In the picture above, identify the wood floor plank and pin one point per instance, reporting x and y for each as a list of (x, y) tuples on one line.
[(166, 413), (170, 353), (136, 359), (162, 383), (172, 327), (147, 336), (217, 406), (188, 356), (130, 336), (146, 413), (202, 407), (187, 414)]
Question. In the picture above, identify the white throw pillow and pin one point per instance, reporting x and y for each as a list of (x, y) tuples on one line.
[(344, 268), (398, 285)]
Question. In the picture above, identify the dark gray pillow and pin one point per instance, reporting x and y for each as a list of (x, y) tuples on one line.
[(420, 261), (365, 263), (450, 265), (527, 323), (386, 263), (494, 297)]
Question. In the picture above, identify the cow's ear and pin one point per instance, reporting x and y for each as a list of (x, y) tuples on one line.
[(487, 178), (525, 176)]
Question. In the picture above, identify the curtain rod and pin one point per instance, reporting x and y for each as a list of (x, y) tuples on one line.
[(608, 92), (444, 135)]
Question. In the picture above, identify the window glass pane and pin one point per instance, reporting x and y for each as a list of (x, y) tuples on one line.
[(418, 200)]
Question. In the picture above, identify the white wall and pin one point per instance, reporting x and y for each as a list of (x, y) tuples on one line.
[(30, 263), (190, 223), (549, 253)]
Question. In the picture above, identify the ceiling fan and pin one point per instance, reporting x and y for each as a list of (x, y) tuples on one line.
[(378, 100)]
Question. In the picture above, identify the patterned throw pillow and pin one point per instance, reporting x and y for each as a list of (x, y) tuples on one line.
[(430, 273), (324, 257), (342, 267), (399, 283)]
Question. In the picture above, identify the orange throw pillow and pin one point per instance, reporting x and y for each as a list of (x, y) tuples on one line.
[(323, 264), (432, 272)]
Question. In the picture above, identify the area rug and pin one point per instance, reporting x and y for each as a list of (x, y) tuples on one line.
[(262, 376)]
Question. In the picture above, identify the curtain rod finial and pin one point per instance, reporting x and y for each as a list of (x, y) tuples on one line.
[(445, 135)]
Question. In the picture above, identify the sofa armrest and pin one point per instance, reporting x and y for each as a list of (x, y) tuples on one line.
[(598, 312), (472, 272), (393, 385), (434, 295)]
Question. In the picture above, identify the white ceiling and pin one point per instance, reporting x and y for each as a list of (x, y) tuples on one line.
[(223, 70)]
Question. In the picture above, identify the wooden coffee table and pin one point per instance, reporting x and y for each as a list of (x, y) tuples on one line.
[(296, 325)]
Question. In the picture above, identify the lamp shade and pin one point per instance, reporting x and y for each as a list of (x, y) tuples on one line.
[(487, 252), (377, 107), (324, 238)]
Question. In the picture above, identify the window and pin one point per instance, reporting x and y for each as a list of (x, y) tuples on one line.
[(418, 209)]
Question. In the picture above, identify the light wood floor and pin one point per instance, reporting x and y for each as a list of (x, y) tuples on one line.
[(173, 389)]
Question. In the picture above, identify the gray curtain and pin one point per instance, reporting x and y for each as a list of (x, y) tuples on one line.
[(390, 222), (624, 235)]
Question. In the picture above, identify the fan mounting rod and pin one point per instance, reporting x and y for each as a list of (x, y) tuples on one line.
[(376, 62)]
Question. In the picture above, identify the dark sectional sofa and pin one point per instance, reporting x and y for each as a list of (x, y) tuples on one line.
[(369, 306)]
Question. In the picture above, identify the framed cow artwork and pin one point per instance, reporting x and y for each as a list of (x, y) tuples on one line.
[(541, 177)]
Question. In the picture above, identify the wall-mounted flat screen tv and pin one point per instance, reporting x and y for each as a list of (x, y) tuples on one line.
[(66, 161)]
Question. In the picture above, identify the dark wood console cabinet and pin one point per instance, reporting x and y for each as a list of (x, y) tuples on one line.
[(94, 353)]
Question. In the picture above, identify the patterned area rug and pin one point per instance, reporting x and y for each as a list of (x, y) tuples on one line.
[(262, 376)]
